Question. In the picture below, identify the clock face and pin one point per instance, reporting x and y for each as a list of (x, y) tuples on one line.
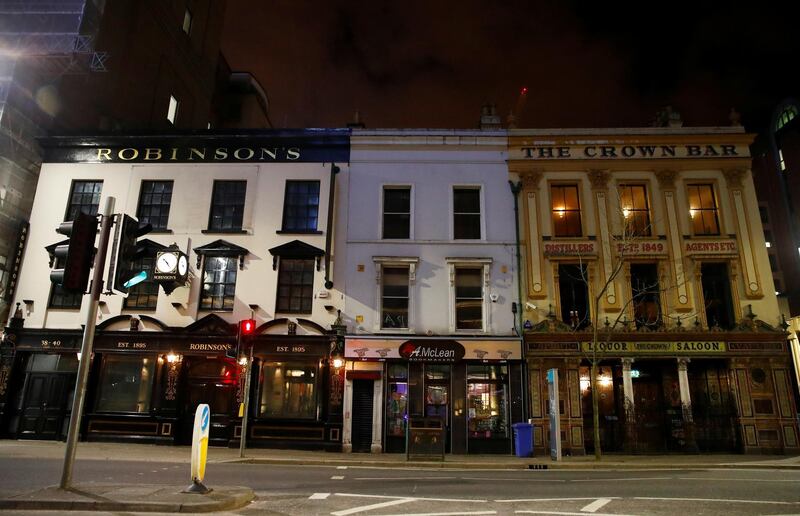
[(166, 263), (183, 265)]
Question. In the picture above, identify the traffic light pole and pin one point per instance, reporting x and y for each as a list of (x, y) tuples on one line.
[(243, 437), (86, 346)]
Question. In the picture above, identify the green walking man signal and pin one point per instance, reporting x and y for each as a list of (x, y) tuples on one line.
[(126, 270)]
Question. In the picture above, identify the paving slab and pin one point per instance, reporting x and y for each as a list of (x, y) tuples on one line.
[(141, 498)]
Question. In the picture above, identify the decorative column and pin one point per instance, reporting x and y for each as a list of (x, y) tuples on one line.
[(734, 178), (631, 438), (666, 182), (686, 405), (531, 202), (599, 180)]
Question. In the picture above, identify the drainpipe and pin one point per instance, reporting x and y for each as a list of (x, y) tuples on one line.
[(328, 232), (515, 190)]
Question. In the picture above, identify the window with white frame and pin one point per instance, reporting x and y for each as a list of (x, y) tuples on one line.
[(469, 278), (466, 213), (395, 277)]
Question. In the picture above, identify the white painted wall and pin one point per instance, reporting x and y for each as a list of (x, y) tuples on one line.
[(191, 202), (432, 162)]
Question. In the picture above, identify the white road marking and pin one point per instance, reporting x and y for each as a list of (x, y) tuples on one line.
[(319, 496), (403, 478), (372, 506), (508, 479), (341, 467), (337, 477), (714, 500), (465, 500), (619, 479), (595, 505), (520, 500), (568, 513), (737, 479), (460, 513)]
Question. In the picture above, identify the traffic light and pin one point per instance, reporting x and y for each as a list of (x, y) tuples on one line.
[(75, 258), (247, 327), (127, 251)]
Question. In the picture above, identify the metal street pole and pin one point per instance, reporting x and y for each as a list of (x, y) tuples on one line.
[(86, 346), (243, 439)]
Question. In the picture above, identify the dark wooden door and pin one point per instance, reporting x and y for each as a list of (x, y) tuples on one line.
[(44, 405), (361, 432), (651, 417)]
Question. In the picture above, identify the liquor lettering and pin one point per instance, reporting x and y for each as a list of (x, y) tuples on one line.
[(630, 248), (724, 246), (569, 248)]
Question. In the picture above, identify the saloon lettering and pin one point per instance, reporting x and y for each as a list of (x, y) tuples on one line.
[(184, 154), (627, 151), (655, 347)]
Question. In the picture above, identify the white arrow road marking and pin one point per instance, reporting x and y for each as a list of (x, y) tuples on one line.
[(319, 496), (372, 506), (713, 500), (595, 505)]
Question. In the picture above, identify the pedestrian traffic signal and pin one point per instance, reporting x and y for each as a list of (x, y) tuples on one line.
[(247, 327), (126, 272), (74, 258)]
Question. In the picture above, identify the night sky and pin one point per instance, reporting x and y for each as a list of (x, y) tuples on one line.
[(585, 64)]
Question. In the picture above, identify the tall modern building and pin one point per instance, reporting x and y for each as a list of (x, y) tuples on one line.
[(89, 65)]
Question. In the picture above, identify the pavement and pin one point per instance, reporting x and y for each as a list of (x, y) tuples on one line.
[(165, 498)]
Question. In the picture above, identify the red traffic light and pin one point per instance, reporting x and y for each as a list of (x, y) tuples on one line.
[(247, 326)]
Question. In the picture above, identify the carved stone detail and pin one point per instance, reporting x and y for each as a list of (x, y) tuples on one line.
[(599, 178), (734, 177), (666, 178), (531, 179)]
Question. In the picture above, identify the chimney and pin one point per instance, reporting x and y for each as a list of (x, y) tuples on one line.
[(489, 118)]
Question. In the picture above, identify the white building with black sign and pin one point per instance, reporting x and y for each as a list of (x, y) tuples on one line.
[(253, 212)]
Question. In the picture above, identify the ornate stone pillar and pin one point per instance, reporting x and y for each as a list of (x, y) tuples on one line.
[(682, 295), (734, 178), (686, 405), (631, 438), (599, 180), (532, 227)]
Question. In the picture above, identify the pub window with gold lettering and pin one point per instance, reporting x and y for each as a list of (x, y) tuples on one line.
[(566, 211), (635, 210), (703, 209)]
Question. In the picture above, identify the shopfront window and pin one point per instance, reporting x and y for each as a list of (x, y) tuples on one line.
[(397, 400), (486, 401), (437, 390), (288, 390), (126, 384)]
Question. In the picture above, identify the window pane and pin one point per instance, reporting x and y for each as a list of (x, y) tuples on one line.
[(227, 205), (219, 283), (574, 294), (288, 390), (566, 211), (396, 408), (84, 198), (301, 206), (397, 212), (486, 404), (295, 285), (126, 384)]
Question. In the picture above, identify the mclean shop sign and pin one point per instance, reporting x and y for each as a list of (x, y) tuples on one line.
[(615, 151), (432, 351), (283, 146)]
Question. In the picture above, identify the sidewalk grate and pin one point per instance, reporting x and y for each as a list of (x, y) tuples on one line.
[(537, 466)]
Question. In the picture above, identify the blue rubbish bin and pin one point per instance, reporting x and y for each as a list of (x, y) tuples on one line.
[(523, 439)]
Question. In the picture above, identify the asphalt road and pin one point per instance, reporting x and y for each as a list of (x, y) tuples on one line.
[(341, 491)]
